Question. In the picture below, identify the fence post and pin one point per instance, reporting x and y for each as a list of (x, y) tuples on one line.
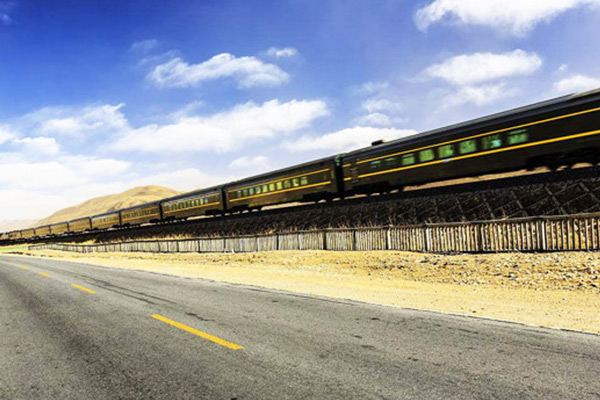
[(388, 238)]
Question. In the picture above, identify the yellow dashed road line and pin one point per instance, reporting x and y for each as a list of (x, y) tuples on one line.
[(196, 332), (82, 288)]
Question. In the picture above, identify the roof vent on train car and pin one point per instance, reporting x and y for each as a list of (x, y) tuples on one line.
[(378, 142)]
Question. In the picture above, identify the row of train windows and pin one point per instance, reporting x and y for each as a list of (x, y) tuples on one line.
[(106, 219), (187, 204), (272, 187), (450, 150), (140, 213)]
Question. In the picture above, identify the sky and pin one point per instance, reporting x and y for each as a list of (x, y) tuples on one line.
[(97, 97)]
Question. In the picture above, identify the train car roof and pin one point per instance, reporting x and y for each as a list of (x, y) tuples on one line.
[(152, 203), (479, 123), (58, 223), (281, 171), (78, 219), (104, 214), (193, 192)]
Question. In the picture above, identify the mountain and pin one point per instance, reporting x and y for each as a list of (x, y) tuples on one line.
[(14, 225), (99, 205)]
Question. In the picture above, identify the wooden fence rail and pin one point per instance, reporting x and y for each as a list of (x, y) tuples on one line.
[(565, 233)]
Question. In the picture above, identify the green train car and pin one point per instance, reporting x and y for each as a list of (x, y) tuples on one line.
[(80, 225), (141, 214), (59, 228), (106, 220), (197, 203), (311, 181), (559, 132)]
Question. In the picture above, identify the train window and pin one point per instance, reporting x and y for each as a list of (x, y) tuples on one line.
[(518, 136), (375, 164), (491, 142), (245, 192), (279, 185), (408, 159), (446, 151), (426, 155), (271, 187), (467, 146), (304, 180), (258, 190), (251, 191), (287, 184), (265, 188), (295, 182), (239, 193), (390, 162)]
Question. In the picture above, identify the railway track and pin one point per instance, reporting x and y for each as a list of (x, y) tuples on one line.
[(567, 192)]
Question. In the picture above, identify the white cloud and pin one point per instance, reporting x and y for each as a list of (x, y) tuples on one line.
[(91, 167), (185, 179), (38, 175), (144, 46), (577, 83), (282, 52), (6, 134), (374, 119), (246, 71), (346, 139), (16, 172), (225, 131), (25, 204), (39, 145), (372, 87), (245, 162), (379, 105), (478, 95), (468, 69), (75, 122), (510, 16)]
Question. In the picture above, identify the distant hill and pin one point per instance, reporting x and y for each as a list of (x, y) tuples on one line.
[(14, 225), (99, 205)]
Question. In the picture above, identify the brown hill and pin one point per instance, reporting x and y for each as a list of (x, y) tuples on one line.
[(13, 225), (99, 205)]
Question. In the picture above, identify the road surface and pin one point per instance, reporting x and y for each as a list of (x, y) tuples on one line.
[(73, 331)]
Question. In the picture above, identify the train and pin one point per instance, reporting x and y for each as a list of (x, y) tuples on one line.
[(554, 133)]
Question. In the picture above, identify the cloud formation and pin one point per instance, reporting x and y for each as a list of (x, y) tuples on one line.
[(284, 52), (248, 72), (469, 69), (144, 46), (479, 95), (245, 162), (75, 122), (576, 83), (39, 145), (512, 17), (346, 139), (225, 131)]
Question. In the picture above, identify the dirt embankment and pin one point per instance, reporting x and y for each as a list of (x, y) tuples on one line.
[(554, 290)]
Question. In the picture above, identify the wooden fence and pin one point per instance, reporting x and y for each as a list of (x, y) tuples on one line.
[(564, 233)]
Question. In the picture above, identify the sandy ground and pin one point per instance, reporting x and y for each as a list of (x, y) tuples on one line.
[(553, 290)]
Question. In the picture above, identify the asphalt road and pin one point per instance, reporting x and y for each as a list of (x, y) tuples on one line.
[(136, 335)]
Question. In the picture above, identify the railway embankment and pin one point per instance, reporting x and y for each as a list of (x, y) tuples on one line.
[(559, 290)]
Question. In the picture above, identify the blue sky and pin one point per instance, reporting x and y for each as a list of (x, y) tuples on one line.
[(100, 96)]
